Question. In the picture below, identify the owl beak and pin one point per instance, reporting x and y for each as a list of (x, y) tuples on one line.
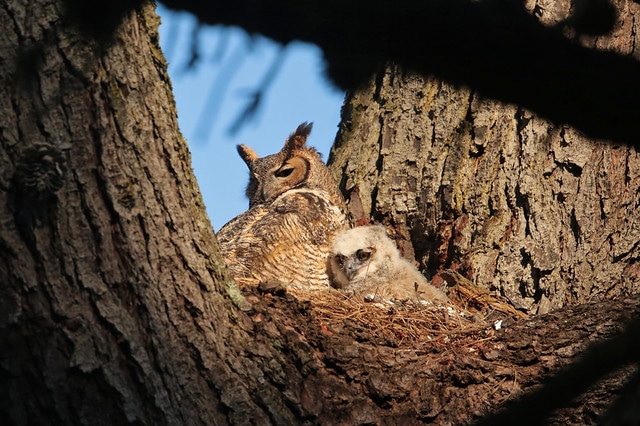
[(351, 268)]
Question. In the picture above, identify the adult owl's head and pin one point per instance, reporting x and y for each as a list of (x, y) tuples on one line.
[(296, 166)]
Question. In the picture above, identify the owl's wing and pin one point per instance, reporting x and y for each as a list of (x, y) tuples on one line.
[(233, 229), (287, 240), (411, 280)]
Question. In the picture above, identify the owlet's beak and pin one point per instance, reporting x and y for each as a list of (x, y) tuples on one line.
[(351, 267)]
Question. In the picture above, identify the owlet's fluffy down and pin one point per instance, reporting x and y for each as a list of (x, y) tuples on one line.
[(366, 262)]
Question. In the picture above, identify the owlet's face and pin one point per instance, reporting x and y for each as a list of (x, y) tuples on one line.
[(355, 264), (359, 253)]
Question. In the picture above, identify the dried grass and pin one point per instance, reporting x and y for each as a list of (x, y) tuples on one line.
[(467, 320), (394, 323)]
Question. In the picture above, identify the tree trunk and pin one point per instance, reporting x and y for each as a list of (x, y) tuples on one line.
[(531, 210), (114, 303)]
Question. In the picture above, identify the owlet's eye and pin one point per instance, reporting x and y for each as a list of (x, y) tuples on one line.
[(340, 259), (363, 255)]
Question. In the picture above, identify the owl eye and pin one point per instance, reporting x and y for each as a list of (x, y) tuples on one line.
[(363, 255), (284, 172), (340, 259)]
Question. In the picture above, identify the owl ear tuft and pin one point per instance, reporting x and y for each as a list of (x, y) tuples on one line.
[(298, 138), (247, 154)]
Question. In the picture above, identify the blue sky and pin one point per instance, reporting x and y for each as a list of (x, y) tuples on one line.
[(212, 95)]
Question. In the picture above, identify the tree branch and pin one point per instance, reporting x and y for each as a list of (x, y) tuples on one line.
[(494, 46)]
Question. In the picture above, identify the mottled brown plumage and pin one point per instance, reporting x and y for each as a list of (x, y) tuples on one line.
[(295, 166), (295, 209)]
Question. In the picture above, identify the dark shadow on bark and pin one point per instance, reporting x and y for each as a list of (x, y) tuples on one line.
[(495, 47)]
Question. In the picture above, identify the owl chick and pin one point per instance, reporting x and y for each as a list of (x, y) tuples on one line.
[(365, 261), (295, 208)]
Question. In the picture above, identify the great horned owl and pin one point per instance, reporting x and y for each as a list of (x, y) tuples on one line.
[(295, 208), (274, 174), (365, 261)]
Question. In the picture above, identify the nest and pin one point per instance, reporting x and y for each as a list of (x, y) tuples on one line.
[(477, 299), (470, 318), (392, 323)]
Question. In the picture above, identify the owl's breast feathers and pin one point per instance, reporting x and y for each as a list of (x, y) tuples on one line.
[(286, 240)]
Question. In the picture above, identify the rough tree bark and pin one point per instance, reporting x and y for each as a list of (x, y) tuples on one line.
[(115, 307), (539, 213)]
